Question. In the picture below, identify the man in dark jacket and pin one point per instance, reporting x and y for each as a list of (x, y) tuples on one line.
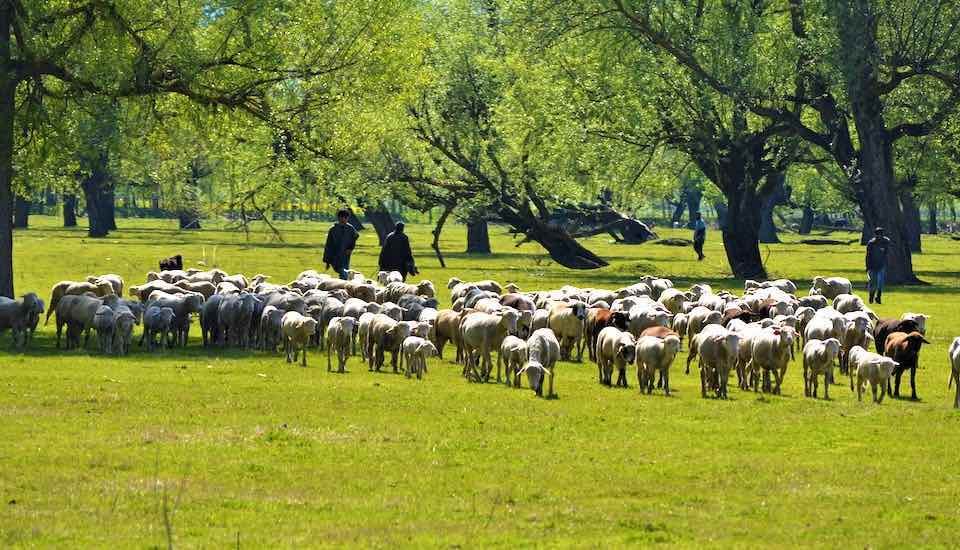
[(396, 254), (877, 249), (341, 239), (699, 235)]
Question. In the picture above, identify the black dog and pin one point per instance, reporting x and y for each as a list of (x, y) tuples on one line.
[(171, 263)]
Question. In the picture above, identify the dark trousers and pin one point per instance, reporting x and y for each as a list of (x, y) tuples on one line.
[(698, 246)]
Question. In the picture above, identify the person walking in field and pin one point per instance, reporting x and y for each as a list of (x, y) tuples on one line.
[(396, 254), (699, 235), (341, 239), (876, 260)]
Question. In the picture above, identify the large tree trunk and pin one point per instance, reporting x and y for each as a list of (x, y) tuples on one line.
[(806, 222), (911, 219), (8, 88), (563, 248), (721, 209), (678, 208), (108, 207), (94, 187), (775, 192), (478, 237), (21, 212), (69, 210), (932, 218), (379, 217), (741, 233)]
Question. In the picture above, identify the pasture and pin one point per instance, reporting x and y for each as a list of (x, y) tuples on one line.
[(229, 448)]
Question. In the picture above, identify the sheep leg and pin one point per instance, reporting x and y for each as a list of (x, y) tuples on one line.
[(329, 365), (778, 376), (826, 390), (873, 389), (304, 357), (806, 382), (913, 383), (666, 382)]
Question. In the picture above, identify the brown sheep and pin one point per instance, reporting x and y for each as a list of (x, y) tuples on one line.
[(76, 288), (905, 350)]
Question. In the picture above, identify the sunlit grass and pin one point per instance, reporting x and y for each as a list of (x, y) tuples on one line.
[(248, 448)]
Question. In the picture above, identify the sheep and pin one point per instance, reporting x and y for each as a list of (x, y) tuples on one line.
[(512, 356), (657, 286), (614, 348), (638, 289), (340, 338), (77, 312), (103, 323), (519, 302), (158, 321), (655, 355), (826, 323), (387, 277), (167, 275), (207, 289), (392, 311), (21, 317), (770, 351), (717, 350), (115, 281), (672, 299), (918, 318), (803, 315), (818, 357), (458, 287), (597, 320), (813, 302), (416, 351), (363, 332), (643, 317), (214, 276), (543, 351), (954, 356), (296, 330), (123, 322), (74, 288), (566, 320), (785, 285), (873, 368), (447, 329), (830, 287), (883, 327), (855, 331), (845, 303), (905, 350), (481, 333), (385, 334), (541, 319), (394, 291), (679, 325), (698, 318)]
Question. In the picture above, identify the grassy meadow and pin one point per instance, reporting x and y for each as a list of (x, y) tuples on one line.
[(228, 448)]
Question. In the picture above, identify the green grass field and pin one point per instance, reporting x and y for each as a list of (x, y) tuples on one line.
[(222, 449)]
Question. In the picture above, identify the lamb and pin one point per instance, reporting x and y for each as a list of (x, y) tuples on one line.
[(615, 348), (718, 351), (679, 325), (655, 355), (919, 318), (905, 350), (123, 320), (845, 303), (21, 317), (566, 320), (818, 357), (698, 318), (513, 355), (873, 368), (394, 291), (340, 338), (115, 281), (297, 331), (597, 320), (74, 288), (385, 334), (481, 333), (954, 356), (543, 351), (854, 334), (158, 321), (831, 287), (416, 351), (103, 323), (770, 351)]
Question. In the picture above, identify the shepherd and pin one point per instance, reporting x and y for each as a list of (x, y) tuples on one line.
[(341, 239), (396, 254)]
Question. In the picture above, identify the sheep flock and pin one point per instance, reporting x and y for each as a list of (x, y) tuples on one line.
[(751, 338)]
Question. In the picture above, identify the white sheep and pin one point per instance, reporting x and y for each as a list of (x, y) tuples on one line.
[(830, 287), (818, 357), (770, 352), (566, 320), (512, 356), (615, 348), (481, 333), (339, 337), (543, 351), (415, 352), (655, 355), (873, 368), (845, 303), (296, 330), (700, 317)]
